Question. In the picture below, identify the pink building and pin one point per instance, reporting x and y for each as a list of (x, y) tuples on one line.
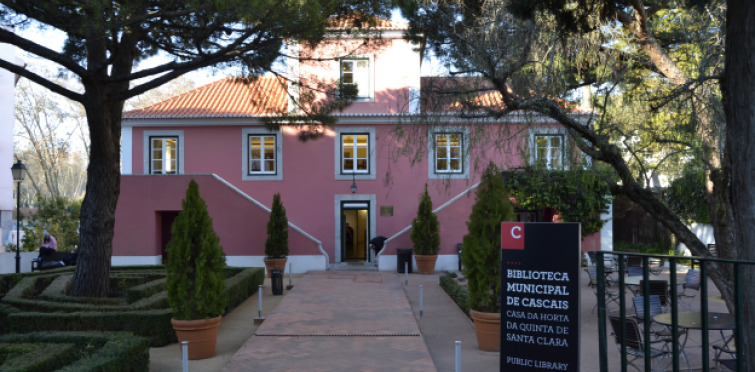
[(361, 178)]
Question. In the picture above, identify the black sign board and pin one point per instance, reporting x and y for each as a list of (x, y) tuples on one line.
[(540, 296)]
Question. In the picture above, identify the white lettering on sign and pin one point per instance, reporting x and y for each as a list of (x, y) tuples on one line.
[(516, 232)]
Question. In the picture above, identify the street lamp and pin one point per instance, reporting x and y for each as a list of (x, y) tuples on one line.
[(19, 173), (353, 184)]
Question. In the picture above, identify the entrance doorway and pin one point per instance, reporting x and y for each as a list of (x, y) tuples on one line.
[(165, 220), (355, 231)]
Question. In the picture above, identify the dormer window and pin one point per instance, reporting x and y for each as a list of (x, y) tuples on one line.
[(356, 76)]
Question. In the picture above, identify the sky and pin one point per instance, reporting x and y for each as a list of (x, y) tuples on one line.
[(54, 40)]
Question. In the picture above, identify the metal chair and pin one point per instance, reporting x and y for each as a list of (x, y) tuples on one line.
[(728, 346), (691, 282), (634, 343), (612, 295), (661, 332), (658, 288)]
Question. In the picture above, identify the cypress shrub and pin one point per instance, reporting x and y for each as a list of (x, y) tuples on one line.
[(481, 254), (276, 245), (196, 262), (425, 235)]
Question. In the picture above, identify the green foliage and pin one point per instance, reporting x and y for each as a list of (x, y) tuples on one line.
[(57, 215), (196, 262), (481, 255), (74, 351), (32, 305), (686, 196), (657, 248), (457, 293), (425, 228), (276, 245), (578, 195)]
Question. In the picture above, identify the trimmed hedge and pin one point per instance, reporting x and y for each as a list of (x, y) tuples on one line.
[(457, 293), (21, 311), (75, 351)]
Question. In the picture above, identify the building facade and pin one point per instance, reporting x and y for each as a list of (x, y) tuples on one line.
[(358, 178)]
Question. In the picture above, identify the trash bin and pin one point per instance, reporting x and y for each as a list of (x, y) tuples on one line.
[(276, 279), (403, 256), (458, 248)]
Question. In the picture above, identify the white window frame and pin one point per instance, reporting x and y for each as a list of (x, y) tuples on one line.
[(246, 133), (147, 144), (340, 173), (366, 94), (432, 172), (549, 132)]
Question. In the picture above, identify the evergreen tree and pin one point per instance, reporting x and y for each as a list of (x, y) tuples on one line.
[(481, 253), (196, 262), (276, 245), (425, 234)]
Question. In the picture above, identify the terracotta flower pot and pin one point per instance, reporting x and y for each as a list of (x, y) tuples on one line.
[(488, 329), (202, 335), (425, 263), (275, 263)]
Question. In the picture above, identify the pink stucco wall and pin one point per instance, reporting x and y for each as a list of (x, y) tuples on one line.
[(308, 187), (239, 223), (392, 71)]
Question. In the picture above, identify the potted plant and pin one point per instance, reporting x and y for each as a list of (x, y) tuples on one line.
[(481, 257), (196, 276), (276, 245), (425, 235)]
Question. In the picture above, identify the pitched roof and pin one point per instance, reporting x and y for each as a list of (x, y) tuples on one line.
[(350, 21), (232, 97), (449, 94)]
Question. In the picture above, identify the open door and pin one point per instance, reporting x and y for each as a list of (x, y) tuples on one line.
[(355, 231)]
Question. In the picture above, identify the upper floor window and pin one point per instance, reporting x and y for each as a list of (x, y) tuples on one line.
[(163, 155), (262, 155), (163, 152), (447, 148), (355, 153), (356, 73), (448, 153), (547, 148)]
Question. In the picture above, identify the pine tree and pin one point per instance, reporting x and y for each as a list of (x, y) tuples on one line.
[(425, 234), (196, 262), (276, 245), (481, 253)]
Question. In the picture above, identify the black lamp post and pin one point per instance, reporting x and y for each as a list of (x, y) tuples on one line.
[(19, 173)]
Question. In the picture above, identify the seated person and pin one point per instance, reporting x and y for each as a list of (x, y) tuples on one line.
[(49, 245)]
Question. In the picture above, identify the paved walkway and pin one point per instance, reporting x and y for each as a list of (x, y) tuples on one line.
[(365, 321), (338, 321)]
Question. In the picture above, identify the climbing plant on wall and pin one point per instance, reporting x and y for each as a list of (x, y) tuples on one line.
[(577, 195)]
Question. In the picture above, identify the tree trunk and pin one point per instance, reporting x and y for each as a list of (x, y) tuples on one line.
[(739, 106), (92, 275)]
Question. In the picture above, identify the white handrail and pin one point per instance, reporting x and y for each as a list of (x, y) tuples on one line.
[(443, 206), (297, 228)]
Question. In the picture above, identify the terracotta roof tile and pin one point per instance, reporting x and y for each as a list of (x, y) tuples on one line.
[(350, 21), (226, 98)]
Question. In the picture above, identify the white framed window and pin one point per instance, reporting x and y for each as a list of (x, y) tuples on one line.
[(357, 71), (447, 150), (548, 148), (262, 155), (355, 153), (164, 152)]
